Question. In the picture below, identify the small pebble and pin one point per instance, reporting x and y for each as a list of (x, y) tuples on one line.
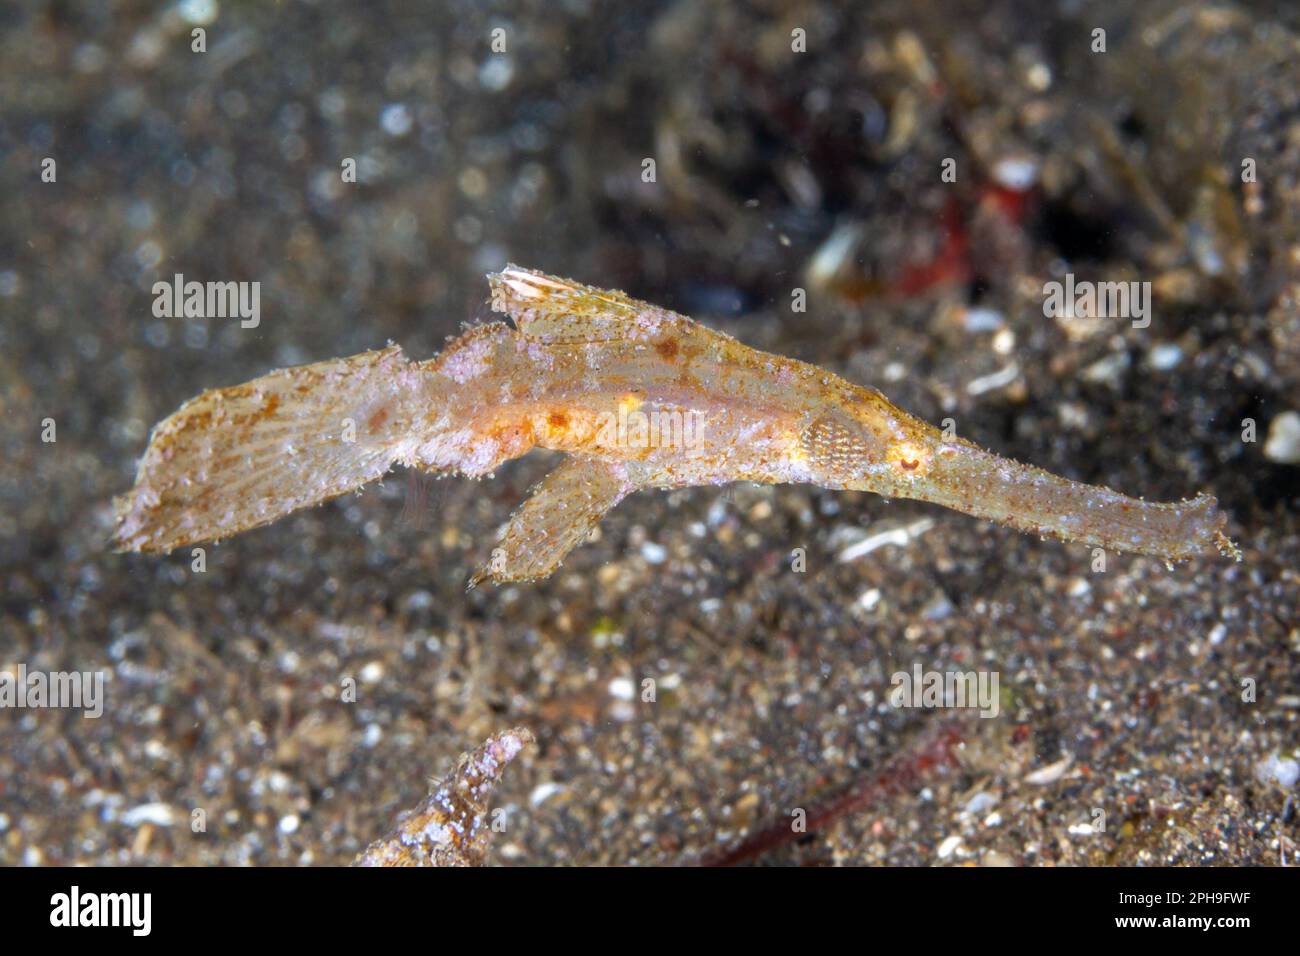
[(1283, 442), (159, 814), (981, 802), (199, 12), (496, 72), (1165, 356), (654, 553), (983, 320), (395, 119), (869, 599), (949, 846), (1016, 172), (543, 792), (1051, 773), (1282, 771), (1106, 371)]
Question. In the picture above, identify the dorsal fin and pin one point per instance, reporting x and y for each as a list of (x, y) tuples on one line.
[(560, 311)]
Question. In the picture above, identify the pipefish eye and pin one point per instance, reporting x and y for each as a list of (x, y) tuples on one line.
[(908, 458)]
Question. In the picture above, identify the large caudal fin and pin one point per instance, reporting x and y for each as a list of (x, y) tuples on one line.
[(239, 457)]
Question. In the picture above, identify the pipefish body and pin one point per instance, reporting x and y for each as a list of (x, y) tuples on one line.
[(636, 396)]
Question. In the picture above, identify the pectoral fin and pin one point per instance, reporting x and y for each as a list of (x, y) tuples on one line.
[(563, 507)]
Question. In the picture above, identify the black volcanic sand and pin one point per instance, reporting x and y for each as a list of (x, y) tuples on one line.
[(1120, 690)]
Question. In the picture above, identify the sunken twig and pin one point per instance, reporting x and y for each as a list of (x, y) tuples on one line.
[(449, 827)]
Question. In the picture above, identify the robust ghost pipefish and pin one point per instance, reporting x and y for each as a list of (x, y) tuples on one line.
[(636, 396)]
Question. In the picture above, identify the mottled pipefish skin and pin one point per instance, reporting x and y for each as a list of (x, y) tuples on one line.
[(577, 367)]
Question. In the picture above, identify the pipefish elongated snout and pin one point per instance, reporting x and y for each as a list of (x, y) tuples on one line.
[(636, 396)]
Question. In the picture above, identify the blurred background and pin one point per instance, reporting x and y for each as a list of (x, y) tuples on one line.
[(794, 146)]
